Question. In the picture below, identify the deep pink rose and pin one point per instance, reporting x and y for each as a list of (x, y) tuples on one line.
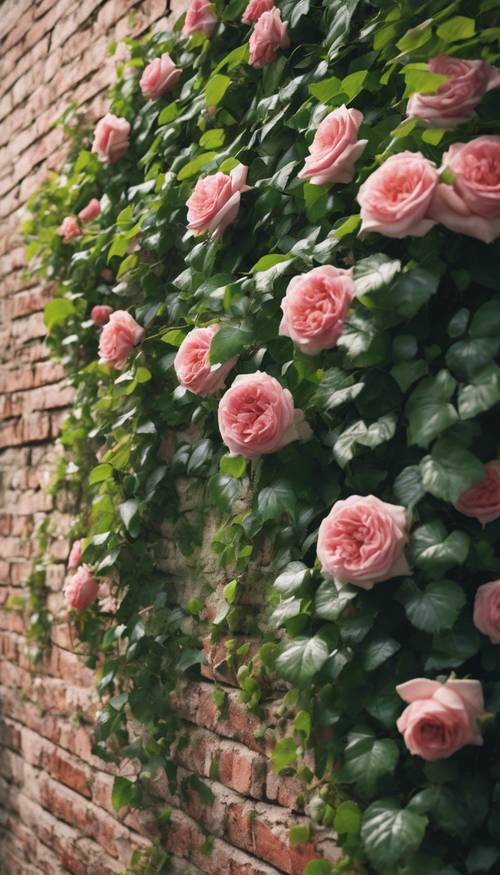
[(118, 337), (268, 35), (482, 500), (314, 308), (111, 138), (200, 18), (454, 101), (100, 314), (91, 211), (440, 718), (215, 201), (335, 148), (160, 76), (192, 366), (257, 416), (255, 9), (81, 589), (471, 204), (396, 198), (362, 541), (487, 610), (69, 228), (75, 554)]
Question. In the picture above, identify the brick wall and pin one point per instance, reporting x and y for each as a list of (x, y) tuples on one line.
[(55, 797)]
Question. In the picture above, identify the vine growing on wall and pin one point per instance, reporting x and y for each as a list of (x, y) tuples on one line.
[(276, 278)]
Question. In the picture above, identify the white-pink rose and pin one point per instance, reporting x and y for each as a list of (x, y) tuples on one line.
[(91, 211), (440, 718), (257, 416), (315, 306), (471, 204), (111, 138), (335, 148), (81, 589), (100, 314), (200, 18), (118, 337), (75, 554), (362, 541), (454, 101), (192, 365), (255, 9), (215, 201), (396, 198), (482, 500), (269, 35), (487, 610), (69, 228), (160, 76)]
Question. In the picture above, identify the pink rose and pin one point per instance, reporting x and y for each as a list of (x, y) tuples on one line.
[(471, 204), (257, 416), (335, 148), (482, 500), (454, 101), (215, 201), (395, 199), (160, 76), (440, 718), (255, 9), (200, 18), (362, 541), (81, 589), (118, 337), (192, 366), (91, 211), (75, 555), (314, 308), (69, 228), (487, 610), (111, 138), (268, 35), (100, 314)]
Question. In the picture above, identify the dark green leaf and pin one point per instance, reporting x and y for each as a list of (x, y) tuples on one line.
[(434, 608), (390, 833)]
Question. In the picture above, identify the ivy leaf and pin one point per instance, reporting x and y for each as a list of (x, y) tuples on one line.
[(408, 488), (348, 818), (57, 311), (452, 649), (412, 290), (318, 867), (274, 500), (193, 167), (128, 512), (367, 759), (429, 409), (216, 88), (434, 550), (486, 320), (434, 608), (234, 465), (367, 436), (390, 833), (374, 272), (225, 490), (456, 29), (292, 578), (302, 659), (482, 394), (468, 357), (378, 651), (284, 755), (450, 470), (330, 602), (286, 610), (228, 342), (125, 792), (100, 473), (336, 388)]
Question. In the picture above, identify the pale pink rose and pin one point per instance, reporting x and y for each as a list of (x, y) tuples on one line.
[(471, 204), (160, 76), (100, 314), (111, 138), (255, 9), (75, 554), (314, 308), (362, 541), (335, 148), (192, 365), (440, 718), (454, 101), (482, 500), (487, 610), (118, 337), (396, 198), (215, 201), (268, 35), (69, 228), (200, 18), (91, 211), (257, 416), (81, 589)]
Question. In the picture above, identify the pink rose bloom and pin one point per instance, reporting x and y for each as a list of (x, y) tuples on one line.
[(454, 101), (362, 541), (192, 365), (81, 589), (395, 199), (200, 18), (487, 610), (111, 138), (471, 204), (255, 9), (440, 718), (314, 308), (69, 228), (482, 500), (100, 314), (91, 211), (215, 201), (335, 148), (268, 35), (75, 555), (160, 76), (118, 337), (257, 416)]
